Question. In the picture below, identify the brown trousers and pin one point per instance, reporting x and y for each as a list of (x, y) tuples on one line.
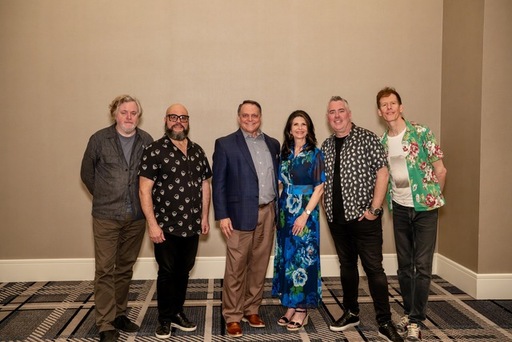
[(116, 248), (247, 257)]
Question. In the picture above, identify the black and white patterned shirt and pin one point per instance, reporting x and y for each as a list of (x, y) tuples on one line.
[(177, 191), (361, 156)]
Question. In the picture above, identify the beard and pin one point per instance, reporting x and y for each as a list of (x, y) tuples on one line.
[(177, 135)]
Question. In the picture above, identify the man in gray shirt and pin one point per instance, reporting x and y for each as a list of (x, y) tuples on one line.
[(245, 165), (109, 171)]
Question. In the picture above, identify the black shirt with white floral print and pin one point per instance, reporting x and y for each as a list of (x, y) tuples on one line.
[(361, 156), (177, 191)]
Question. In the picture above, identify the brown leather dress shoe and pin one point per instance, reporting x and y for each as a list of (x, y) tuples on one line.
[(254, 321), (234, 329)]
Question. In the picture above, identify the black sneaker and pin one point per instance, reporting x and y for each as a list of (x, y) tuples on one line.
[(181, 322), (388, 331), (109, 336), (124, 324), (163, 330), (346, 321)]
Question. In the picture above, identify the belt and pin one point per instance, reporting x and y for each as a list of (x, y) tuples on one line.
[(300, 189), (264, 205)]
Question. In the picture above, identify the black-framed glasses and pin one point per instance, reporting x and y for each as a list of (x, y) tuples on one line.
[(175, 117)]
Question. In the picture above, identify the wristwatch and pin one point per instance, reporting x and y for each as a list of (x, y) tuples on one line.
[(375, 211), (308, 212)]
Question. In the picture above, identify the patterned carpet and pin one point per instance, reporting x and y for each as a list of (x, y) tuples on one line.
[(63, 311)]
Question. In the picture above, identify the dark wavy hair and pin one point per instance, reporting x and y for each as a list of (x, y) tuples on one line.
[(288, 138), (251, 102)]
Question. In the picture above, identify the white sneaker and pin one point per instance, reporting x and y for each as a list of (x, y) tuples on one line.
[(413, 332), (401, 326)]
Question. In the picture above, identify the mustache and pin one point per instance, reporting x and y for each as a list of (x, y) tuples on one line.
[(177, 135)]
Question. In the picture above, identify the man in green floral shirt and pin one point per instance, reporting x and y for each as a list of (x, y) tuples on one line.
[(417, 177)]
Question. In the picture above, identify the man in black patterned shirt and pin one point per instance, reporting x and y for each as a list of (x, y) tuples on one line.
[(356, 183), (175, 197)]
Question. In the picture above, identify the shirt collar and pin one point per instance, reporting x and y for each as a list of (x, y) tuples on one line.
[(247, 135)]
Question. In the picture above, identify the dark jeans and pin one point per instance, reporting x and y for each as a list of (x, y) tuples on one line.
[(415, 239), (363, 239), (175, 257)]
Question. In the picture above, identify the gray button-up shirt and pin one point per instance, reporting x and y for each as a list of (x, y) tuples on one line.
[(264, 167)]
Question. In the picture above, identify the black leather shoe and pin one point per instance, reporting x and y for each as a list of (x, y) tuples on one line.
[(181, 322), (389, 333), (109, 336), (124, 324), (163, 331)]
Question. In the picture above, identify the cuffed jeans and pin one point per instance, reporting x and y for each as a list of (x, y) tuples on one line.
[(363, 239), (176, 257), (116, 248), (415, 239)]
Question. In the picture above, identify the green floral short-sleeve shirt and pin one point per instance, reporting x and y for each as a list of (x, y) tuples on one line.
[(422, 149)]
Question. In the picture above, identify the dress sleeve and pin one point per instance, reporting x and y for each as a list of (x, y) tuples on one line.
[(318, 168)]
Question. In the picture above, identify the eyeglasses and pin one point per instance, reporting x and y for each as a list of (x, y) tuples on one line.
[(175, 117)]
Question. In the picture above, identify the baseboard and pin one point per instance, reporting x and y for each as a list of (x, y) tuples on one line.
[(145, 268), (479, 286)]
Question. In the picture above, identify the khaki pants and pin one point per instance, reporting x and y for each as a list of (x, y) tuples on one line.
[(247, 257), (116, 248)]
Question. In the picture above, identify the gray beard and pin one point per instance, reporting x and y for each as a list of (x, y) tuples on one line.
[(177, 136)]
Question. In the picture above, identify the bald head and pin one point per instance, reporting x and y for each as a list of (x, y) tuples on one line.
[(178, 109), (177, 122)]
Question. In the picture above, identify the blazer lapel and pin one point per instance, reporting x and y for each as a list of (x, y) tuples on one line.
[(242, 145), (273, 152)]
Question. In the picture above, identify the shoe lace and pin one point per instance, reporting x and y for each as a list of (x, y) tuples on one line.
[(404, 322), (413, 330), (183, 318), (349, 315)]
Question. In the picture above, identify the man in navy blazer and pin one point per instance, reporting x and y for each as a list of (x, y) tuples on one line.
[(245, 189)]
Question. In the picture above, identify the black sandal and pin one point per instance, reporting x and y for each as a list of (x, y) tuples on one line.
[(284, 321), (294, 325)]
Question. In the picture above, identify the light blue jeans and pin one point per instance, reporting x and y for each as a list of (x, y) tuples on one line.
[(415, 239)]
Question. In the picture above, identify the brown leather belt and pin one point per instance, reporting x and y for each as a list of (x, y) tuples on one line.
[(264, 205)]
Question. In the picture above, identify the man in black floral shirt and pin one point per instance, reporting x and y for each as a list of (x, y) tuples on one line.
[(356, 182), (175, 197)]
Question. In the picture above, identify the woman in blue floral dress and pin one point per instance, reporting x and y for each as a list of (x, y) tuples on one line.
[(297, 251)]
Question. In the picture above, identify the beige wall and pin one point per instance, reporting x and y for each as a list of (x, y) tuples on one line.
[(461, 123), (62, 62), (477, 78), (495, 252)]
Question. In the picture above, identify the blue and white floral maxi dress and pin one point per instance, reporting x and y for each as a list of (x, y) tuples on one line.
[(297, 278)]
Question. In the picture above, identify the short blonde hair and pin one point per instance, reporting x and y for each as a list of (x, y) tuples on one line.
[(118, 101)]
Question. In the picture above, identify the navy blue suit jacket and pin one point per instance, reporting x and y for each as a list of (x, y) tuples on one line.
[(235, 182)]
